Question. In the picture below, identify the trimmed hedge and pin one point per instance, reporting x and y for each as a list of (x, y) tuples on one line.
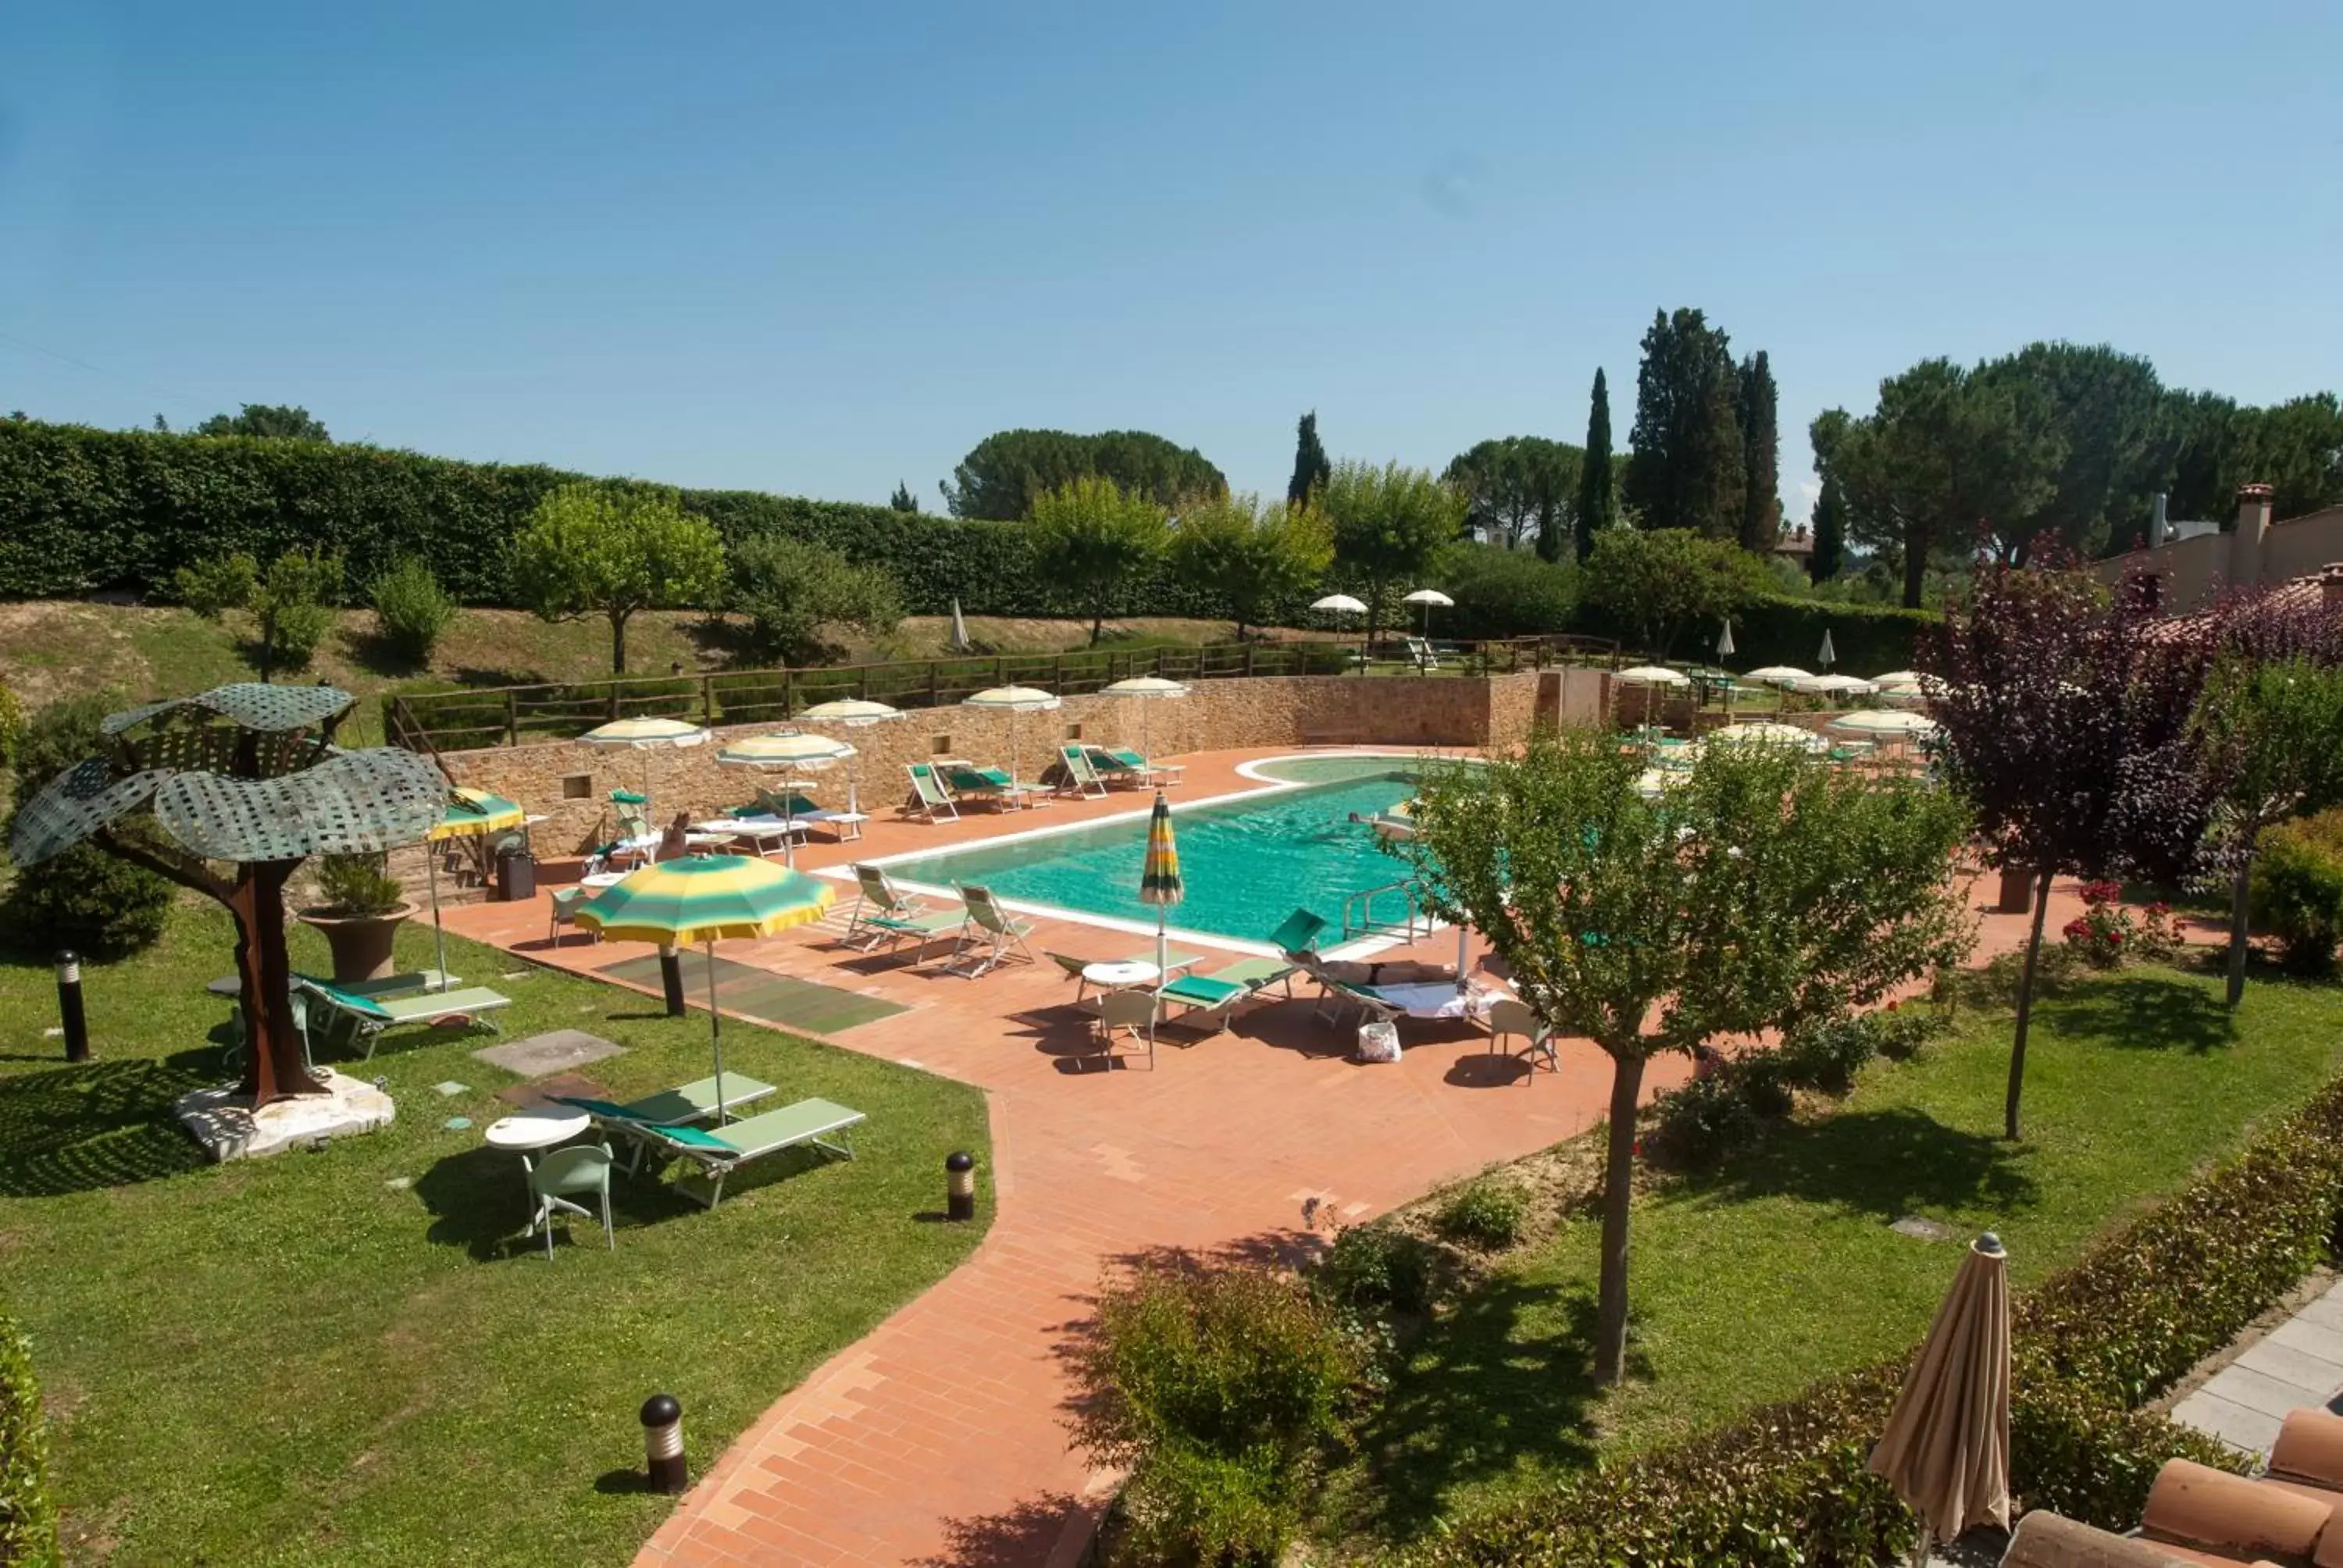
[(1785, 1485), (28, 1518), (1869, 639), (83, 509)]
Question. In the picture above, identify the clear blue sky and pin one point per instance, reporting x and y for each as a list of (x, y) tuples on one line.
[(816, 248)]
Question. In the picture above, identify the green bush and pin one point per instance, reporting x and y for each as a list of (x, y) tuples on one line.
[(1869, 639), (2092, 1459), (1503, 593), (1377, 1266), (1720, 1112), (95, 902), (12, 726), (411, 608), (356, 886), (790, 590), (2298, 889), (1482, 1214), (28, 1518), (1217, 1386), (216, 584), (1828, 1053)]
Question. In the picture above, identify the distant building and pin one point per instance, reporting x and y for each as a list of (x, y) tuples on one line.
[(1796, 543), (2194, 561)]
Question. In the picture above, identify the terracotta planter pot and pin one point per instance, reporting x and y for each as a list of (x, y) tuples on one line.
[(360, 944)]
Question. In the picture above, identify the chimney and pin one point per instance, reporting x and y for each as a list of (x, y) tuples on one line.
[(2159, 526), (2245, 561), (2331, 586)]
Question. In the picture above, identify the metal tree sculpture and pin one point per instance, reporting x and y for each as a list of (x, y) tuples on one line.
[(248, 775)]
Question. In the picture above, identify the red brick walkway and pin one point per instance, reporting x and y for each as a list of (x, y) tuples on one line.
[(940, 1438)]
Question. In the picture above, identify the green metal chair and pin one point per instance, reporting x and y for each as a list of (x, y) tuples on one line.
[(566, 1173)]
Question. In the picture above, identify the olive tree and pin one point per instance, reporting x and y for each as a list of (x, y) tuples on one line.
[(611, 550), (1250, 557), (1765, 890)]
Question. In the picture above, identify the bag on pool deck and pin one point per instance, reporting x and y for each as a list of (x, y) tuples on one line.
[(1378, 1042)]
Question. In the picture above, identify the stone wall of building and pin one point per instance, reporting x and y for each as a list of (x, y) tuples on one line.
[(571, 782)]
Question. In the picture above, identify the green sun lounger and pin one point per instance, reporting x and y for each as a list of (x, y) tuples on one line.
[(366, 1016), (934, 801), (1081, 778), (1217, 994), (694, 1101), (719, 1151), (885, 917)]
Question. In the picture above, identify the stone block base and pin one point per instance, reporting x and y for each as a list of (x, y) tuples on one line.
[(225, 1123)]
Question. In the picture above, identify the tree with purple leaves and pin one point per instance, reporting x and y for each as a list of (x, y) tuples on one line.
[(2065, 709)]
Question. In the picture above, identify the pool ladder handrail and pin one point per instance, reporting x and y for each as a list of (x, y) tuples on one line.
[(1358, 911)]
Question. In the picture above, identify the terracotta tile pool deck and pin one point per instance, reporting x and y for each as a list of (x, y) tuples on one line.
[(940, 1437)]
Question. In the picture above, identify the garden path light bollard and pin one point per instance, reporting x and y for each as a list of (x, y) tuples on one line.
[(69, 1009), (663, 1443), (959, 1186)]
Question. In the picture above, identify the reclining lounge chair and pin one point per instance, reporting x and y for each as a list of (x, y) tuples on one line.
[(719, 1151), (366, 1016), (885, 917)]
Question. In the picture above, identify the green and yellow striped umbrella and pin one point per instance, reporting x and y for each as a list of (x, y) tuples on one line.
[(471, 812), (1159, 876), (705, 898)]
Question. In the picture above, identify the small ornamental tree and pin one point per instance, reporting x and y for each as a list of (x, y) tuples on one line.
[(1088, 535), (2066, 711), (611, 550), (1765, 890), (1652, 584), (2270, 741), (1390, 524), (1250, 557)]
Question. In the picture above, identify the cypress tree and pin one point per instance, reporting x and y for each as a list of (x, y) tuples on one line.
[(902, 500), (1761, 456), (1684, 453), (1830, 532), (1597, 507), (1311, 468)]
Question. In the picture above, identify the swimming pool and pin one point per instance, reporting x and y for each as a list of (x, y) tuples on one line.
[(1246, 863)]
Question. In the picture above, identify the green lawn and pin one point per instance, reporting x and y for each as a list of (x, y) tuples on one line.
[(1780, 1267), (348, 1356)]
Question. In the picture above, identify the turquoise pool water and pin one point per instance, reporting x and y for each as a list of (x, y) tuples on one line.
[(1246, 865)]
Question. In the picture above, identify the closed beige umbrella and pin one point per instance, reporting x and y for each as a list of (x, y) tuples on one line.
[(1947, 1447)]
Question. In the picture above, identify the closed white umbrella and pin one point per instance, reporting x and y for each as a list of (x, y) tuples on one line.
[(1149, 689), (646, 735), (1828, 656), (1427, 598), (791, 751), (855, 713), (1012, 700), (1724, 640), (959, 643)]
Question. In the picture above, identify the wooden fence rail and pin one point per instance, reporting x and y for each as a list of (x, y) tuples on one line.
[(477, 717)]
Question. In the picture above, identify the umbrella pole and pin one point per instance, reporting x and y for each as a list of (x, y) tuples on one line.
[(1461, 933), (715, 1031), (438, 931)]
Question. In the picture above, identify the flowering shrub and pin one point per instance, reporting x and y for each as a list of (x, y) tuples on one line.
[(2102, 934)]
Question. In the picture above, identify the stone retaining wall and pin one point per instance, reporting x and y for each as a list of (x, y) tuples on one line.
[(571, 782)]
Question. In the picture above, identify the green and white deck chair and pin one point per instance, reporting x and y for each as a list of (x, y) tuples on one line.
[(366, 1016), (1299, 933), (694, 1101), (993, 785), (563, 1174), (990, 938), (1126, 767), (1081, 778), (1073, 965), (933, 800), (719, 1151), (884, 916), (1217, 996)]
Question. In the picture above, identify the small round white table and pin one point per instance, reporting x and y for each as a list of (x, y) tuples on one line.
[(539, 1128), (1121, 976), (602, 879)]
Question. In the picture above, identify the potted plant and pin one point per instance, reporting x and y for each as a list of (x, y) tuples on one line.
[(363, 907)]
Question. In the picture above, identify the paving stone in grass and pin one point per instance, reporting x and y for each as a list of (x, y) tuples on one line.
[(556, 1050)]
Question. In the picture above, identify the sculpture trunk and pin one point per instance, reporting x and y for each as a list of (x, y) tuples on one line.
[(275, 1067)]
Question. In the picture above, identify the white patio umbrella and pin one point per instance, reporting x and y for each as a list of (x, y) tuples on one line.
[(1149, 689), (1763, 734), (1885, 722), (1012, 700), (1896, 677), (1724, 640), (1650, 677), (1829, 654), (1427, 598), (1835, 685), (1778, 674), (855, 713), (646, 735), (1343, 604), (959, 643), (791, 751)]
